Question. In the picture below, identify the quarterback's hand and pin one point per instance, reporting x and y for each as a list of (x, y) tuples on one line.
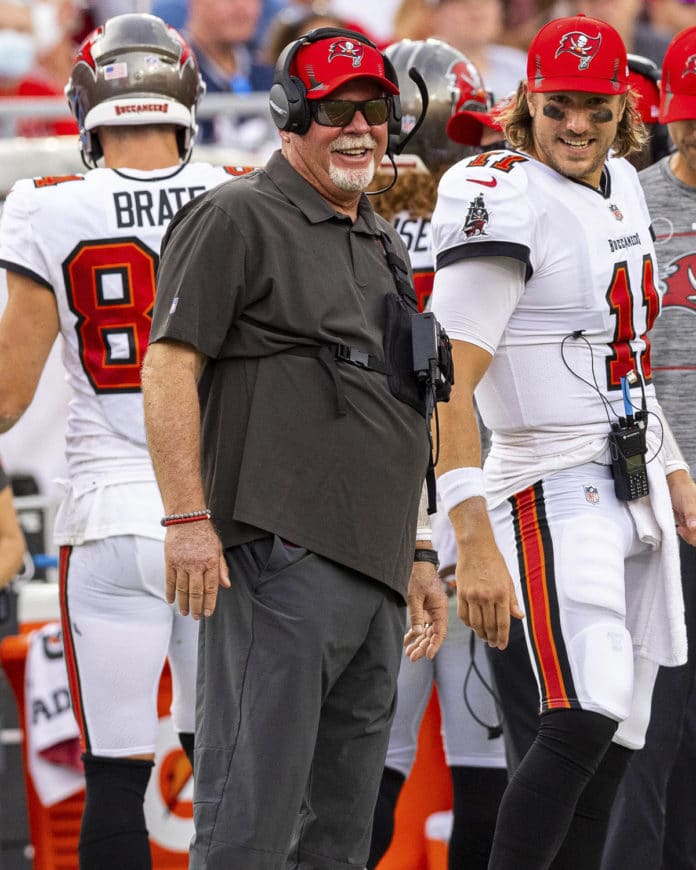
[(682, 491), (486, 599), (427, 612), (195, 567)]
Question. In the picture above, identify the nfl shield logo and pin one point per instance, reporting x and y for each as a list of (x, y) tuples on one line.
[(591, 494)]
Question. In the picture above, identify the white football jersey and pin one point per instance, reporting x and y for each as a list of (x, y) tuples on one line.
[(94, 240), (589, 297), (415, 234)]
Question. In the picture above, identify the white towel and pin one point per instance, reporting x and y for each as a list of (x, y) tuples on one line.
[(50, 722), (658, 628)]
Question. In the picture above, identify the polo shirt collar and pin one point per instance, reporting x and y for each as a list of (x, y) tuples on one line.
[(308, 199)]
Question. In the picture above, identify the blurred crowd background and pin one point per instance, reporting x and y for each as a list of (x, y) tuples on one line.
[(237, 43)]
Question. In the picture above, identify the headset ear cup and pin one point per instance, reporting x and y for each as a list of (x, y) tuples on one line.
[(394, 126), (280, 106), (300, 113), (289, 105), (287, 96)]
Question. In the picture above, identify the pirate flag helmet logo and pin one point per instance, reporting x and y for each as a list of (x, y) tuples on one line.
[(581, 45), (347, 48)]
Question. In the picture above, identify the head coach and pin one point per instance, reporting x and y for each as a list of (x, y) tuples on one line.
[(295, 533)]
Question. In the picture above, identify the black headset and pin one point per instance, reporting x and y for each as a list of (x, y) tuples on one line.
[(290, 108), (644, 66)]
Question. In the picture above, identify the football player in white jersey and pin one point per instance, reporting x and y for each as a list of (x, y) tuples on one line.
[(545, 281), (456, 102), (81, 253)]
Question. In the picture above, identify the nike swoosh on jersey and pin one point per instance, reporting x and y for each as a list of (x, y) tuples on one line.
[(490, 183)]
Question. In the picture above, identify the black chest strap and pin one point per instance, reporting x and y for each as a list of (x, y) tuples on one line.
[(404, 288), (330, 354)]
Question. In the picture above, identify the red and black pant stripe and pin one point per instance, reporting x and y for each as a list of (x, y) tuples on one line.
[(538, 580), (69, 646)]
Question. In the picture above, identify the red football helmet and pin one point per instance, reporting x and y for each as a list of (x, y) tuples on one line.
[(133, 70), (454, 85)]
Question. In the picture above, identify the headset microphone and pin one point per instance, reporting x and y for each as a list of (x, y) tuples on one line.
[(395, 146), (392, 182)]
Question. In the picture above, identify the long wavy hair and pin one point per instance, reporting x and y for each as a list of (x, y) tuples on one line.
[(414, 192), (516, 121)]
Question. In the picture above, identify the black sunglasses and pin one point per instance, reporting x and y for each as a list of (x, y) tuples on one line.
[(339, 113)]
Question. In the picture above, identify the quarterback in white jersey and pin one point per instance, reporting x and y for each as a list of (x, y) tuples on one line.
[(81, 253), (545, 282), (559, 348), (473, 743)]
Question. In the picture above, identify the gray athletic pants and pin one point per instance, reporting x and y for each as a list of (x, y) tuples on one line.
[(297, 678)]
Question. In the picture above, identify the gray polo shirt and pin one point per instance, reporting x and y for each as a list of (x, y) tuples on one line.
[(250, 271), (672, 206)]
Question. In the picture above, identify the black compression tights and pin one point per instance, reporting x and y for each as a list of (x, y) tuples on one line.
[(383, 821), (559, 798), (584, 842), (113, 835), (476, 791)]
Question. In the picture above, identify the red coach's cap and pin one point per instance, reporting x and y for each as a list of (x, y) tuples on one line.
[(324, 65), (678, 83), (577, 54)]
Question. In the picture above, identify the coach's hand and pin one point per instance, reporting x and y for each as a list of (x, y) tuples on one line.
[(427, 612), (682, 491), (195, 567)]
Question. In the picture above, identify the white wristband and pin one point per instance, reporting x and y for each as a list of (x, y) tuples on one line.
[(424, 534), (675, 465), (458, 485), (674, 459)]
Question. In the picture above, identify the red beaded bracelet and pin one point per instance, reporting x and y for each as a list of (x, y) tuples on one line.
[(193, 517)]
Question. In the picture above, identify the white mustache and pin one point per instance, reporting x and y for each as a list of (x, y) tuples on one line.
[(365, 141)]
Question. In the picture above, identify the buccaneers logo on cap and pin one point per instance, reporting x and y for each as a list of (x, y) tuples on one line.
[(354, 51), (581, 45), (690, 66)]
